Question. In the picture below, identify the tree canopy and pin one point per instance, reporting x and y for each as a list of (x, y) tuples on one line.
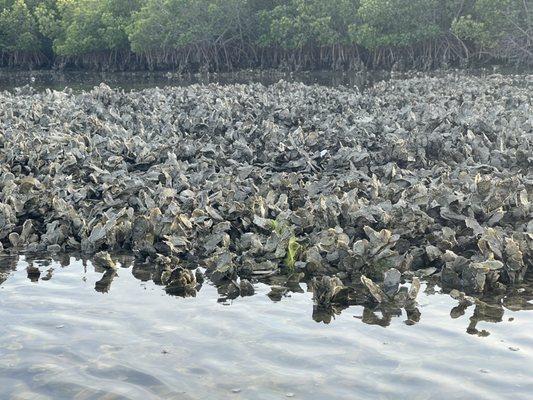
[(229, 34)]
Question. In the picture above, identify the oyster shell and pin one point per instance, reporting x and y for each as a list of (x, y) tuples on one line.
[(425, 175)]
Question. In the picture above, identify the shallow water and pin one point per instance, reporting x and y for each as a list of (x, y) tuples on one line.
[(86, 80), (62, 339)]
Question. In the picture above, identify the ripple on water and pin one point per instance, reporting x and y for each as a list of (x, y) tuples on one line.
[(61, 339)]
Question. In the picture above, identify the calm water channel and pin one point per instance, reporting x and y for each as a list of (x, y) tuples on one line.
[(76, 80), (139, 80)]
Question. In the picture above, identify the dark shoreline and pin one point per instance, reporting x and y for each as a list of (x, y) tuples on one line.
[(87, 79)]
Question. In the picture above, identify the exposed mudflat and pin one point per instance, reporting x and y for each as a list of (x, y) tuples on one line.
[(358, 191)]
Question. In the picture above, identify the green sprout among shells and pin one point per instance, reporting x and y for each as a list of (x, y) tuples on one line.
[(294, 250)]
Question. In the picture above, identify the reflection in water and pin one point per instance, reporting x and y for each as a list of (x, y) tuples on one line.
[(70, 330), (104, 283), (486, 309), (58, 80), (86, 80)]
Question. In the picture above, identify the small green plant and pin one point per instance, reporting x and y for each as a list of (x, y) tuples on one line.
[(294, 250), (274, 225), (278, 227)]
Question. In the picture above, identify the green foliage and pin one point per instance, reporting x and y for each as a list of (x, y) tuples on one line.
[(276, 226), (500, 28), (47, 18), (250, 32), (396, 23), (467, 28), (294, 249), (80, 25), (116, 18), (90, 25), (18, 31), (300, 23), (163, 25), (490, 21)]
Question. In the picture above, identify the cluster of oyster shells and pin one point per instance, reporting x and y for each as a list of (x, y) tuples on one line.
[(409, 178)]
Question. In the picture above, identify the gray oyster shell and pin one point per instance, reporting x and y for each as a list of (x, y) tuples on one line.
[(251, 181)]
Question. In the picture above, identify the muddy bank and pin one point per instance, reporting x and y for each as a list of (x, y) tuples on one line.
[(427, 176)]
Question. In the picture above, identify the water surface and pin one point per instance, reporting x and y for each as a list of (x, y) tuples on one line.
[(86, 80), (67, 335)]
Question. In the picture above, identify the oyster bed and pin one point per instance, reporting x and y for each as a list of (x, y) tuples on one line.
[(360, 191)]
